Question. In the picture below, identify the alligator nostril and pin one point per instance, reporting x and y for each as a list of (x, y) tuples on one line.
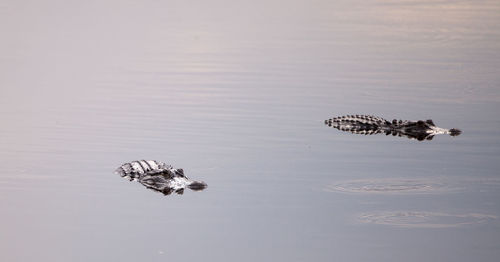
[(196, 186), (455, 132)]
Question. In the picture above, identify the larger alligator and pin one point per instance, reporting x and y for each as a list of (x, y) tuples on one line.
[(369, 125), (159, 176)]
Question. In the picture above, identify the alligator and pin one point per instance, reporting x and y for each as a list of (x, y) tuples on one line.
[(369, 125), (159, 176)]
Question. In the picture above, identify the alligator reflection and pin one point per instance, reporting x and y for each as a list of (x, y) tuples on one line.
[(159, 177), (369, 125)]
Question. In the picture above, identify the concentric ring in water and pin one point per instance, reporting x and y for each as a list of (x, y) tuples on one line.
[(388, 186), (418, 219)]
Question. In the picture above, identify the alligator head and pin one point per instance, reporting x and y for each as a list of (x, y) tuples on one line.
[(159, 177)]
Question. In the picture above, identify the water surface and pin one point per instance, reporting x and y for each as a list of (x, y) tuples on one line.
[(236, 93)]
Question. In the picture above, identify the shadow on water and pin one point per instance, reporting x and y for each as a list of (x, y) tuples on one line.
[(370, 125)]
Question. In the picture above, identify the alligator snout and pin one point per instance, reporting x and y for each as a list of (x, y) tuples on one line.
[(455, 132), (197, 186)]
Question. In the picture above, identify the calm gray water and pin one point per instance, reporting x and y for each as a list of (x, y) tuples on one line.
[(236, 92)]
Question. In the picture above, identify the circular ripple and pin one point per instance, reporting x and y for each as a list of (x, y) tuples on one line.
[(416, 219), (387, 186)]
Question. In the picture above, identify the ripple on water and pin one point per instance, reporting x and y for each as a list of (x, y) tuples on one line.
[(416, 219), (392, 186)]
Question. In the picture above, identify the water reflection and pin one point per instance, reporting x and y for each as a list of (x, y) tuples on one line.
[(369, 125), (417, 219), (159, 177)]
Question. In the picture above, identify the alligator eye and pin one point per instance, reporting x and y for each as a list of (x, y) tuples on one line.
[(167, 190)]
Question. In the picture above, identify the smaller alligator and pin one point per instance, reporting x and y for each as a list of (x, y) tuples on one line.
[(369, 125), (159, 176)]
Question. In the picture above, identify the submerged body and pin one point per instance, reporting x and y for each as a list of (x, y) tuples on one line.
[(159, 176), (368, 125)]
